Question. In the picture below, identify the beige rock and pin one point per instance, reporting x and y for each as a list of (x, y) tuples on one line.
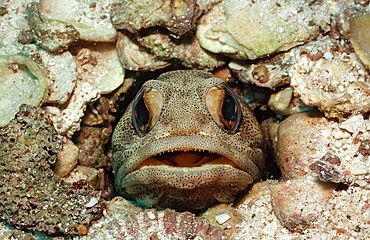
[(337, 85), (298, 203), (300, 143), (67, 159), (257, 29)]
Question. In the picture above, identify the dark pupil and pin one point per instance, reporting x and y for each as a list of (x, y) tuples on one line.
[(228, 108), (141, 113)]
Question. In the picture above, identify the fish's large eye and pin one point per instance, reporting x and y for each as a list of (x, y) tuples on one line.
[(146, 108), (224, 107)]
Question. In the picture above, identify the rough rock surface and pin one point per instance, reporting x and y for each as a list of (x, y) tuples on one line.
[(31, 196)]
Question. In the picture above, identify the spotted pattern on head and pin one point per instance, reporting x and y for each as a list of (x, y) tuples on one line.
[(174, 147)]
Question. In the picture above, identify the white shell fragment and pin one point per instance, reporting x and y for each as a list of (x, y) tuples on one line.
[(222, 218), (90, 18), (93, 201), (67, 121), (245, 30), (22, 81)]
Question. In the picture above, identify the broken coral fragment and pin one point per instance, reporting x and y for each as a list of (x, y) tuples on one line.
[(90, 19), (123, 219), (53, 35), (185, 50), (248, 30), (338, 86), (135, 57), (100, 64), (22, 81), (59, 68), (177, 16)]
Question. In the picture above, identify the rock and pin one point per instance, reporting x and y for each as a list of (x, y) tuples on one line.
[(185, 50), (90, 19), (54, 36), (299, 203), (244, 30), (300, 142), (336, 86), (91, 141), (37, 199), (270, 73), (311, 145), (95, 177), (178, 17), (23, 81), (135, 57), (67, 159)]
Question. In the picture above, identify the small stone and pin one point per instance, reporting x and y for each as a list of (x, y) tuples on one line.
[(298, 203), (93, 201), (222, 218), (67, 159), (354, 124)]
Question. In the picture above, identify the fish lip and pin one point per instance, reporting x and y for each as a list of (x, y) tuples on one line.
[(183, 158), (188, 176), (194, 142)]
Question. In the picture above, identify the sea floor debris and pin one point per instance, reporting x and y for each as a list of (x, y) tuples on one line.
[(299, 54)]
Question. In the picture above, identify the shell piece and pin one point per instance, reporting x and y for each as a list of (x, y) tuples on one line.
[(245, 30), (136, 57), (90, 19), (22, 81), (178, 16), (54, 36), (360, 37), (284, 103)]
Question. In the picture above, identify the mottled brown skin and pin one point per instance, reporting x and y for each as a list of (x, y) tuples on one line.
[(185, 124)]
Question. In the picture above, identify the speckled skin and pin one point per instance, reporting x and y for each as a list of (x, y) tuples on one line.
[(186, 124)]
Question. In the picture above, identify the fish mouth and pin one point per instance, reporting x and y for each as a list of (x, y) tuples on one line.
[(186, 158)]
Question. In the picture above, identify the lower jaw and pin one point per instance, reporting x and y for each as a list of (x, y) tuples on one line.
[(185, 200), (184, 188)]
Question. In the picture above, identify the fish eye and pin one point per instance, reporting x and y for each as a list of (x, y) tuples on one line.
[(224, 107), (146, 109)]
